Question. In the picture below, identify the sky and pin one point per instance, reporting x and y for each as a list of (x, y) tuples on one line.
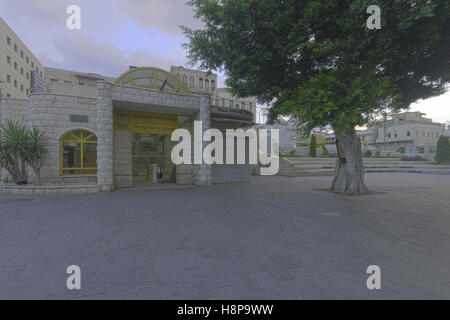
[(115, 34)]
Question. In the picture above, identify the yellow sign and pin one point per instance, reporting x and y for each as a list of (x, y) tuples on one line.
[(122, 120), (146, 122)]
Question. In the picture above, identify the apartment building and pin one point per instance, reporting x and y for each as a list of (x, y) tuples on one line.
[(21, 72)]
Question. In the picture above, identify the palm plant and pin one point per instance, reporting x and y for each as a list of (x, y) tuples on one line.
[(20, 147), (34, 152), (14, 139)]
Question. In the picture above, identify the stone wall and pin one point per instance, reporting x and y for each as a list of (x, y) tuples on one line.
[(156, 98), (51, 114), (123, 168), (15, 110)]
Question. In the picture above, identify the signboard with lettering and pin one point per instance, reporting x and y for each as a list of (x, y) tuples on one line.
[(122, 120), (146, 122), (79, 118)]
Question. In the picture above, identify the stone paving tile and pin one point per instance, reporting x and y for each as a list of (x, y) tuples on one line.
[(273, 238)]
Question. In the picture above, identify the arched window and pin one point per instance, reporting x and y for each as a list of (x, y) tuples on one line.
[(213, 85), (185, 79), (191, 82), (200, 84), (79, 153), (207, 85)]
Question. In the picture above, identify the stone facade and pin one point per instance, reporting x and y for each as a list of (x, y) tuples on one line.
[(51, 114), (105, 131), (17, 63), (202, 172), (197, 81), (56, 115), (59, 81), (14, 109)]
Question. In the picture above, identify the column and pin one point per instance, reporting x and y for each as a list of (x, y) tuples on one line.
[(105, 139), (202, 172)]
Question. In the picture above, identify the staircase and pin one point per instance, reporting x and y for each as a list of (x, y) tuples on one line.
[(307, 167)]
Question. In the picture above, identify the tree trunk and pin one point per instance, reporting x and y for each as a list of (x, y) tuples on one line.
[(37, 176), (349, 171)]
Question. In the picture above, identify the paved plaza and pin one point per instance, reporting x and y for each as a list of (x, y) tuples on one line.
[(273, 238)]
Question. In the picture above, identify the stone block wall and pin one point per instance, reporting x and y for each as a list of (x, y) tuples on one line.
[(51, 114), (105, 135), (15, 110), (123, 168), (157, 98)]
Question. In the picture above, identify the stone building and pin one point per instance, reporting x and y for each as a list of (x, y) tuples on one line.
[(206, 83), (120, 136), (115, 132), (20, 71), (72, 83)]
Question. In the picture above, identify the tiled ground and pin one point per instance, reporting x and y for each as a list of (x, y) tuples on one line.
[(274, 238)]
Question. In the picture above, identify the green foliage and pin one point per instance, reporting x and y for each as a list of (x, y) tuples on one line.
[(368, 154), (443, 151), (13, 141), (316, 60), (35, 151), (19, 147), (313, 146)]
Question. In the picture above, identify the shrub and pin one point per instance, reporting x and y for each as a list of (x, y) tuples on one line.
[(13, 141), (19, 147), (443, 150), (413, 158), (313, 146), (368, 154)]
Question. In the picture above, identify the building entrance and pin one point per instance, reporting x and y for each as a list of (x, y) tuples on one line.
[(151, 159)]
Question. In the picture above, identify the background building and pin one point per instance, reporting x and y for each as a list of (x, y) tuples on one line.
[(72, 83), (197, 81), (20, 71), (203, 82), (409, 132)]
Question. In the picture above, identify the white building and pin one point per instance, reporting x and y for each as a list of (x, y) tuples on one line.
[(409, 132), (20, 71)]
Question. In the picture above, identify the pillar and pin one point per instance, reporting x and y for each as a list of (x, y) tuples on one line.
[(202, 172), (105, 136)]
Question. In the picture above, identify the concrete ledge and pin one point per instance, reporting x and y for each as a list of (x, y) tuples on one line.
[(48, 190)]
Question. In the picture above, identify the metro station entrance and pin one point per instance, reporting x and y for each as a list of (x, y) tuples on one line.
[(143, 148), (151, 159)]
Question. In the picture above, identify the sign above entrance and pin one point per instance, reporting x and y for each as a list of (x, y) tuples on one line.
[(145, 122)]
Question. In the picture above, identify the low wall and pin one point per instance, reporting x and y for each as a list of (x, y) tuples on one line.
[(48, 190)]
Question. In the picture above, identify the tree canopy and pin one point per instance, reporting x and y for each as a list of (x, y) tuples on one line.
[(318, 62)]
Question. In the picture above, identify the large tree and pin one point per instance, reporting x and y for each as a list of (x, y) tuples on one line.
[(319, 63)]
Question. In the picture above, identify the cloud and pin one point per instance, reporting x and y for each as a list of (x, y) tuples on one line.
[(84, 53), (437, 108), (166, 15)]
